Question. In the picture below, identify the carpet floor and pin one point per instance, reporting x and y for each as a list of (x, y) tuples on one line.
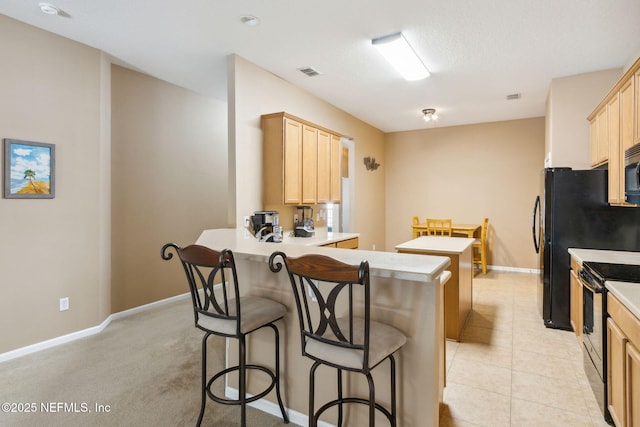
[(142, 370)]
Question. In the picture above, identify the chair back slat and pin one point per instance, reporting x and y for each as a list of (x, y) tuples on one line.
[(439, 227), (330, 298), (209, 271)]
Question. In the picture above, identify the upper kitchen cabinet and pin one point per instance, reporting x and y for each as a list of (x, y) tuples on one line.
[(309, 165), (599, 137), (301, 162), (636, 81), (613, 127)]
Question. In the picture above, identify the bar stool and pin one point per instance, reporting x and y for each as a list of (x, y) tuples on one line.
[(336, 333), (219, 310)]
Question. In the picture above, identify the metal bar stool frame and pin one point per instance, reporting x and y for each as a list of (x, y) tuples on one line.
[(206, 269), (303, 271)]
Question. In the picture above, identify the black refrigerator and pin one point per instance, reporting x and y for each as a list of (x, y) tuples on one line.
[(574, 212)]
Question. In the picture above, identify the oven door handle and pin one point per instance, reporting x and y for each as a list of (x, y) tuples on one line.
[(593, 288)]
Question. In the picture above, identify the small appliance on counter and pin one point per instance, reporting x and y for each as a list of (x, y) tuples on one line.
[(303, 222), (265, 226)]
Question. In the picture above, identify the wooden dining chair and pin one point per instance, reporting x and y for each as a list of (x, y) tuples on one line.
[(480, 247), (415, 221), (439, 227)]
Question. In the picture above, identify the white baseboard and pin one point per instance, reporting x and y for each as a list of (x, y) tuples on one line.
[(273, 409), (43, 345), (513, 269)]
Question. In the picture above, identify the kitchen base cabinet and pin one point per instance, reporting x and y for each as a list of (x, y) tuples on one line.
[(623, 371), (616, 390), (576, 298), (345, 244), (633, 386)]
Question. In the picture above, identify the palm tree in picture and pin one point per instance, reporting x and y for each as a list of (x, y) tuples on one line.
[(30, 174)]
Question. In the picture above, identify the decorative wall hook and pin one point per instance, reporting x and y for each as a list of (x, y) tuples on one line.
[(370, 163)]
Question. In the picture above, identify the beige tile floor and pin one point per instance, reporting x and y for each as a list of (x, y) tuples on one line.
[(508, 369)]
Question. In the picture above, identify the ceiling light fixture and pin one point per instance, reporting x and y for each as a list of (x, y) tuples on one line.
[(250, 20), (401, 55), (49, 9), (429, 115)]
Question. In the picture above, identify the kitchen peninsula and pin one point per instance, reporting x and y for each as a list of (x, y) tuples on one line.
[(458, 297), (406, 292)]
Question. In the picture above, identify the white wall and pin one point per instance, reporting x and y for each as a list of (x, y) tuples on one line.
[(569, 102)]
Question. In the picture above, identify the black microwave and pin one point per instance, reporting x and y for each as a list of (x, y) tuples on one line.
[(632, 175)]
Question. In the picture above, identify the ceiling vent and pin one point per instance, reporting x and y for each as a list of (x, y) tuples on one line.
[(311, 72), (514, 96)]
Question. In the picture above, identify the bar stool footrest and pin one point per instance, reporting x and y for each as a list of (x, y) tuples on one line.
[(360, 400), (253, 398)]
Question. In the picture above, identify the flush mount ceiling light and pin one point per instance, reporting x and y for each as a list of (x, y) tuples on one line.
[(250, 20), (49, 9), (401, 55), (429, 115)]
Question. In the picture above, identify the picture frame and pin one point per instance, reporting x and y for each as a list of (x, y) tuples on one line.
[(29, 169)]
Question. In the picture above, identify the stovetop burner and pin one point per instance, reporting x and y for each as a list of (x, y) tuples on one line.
[(619, 272)]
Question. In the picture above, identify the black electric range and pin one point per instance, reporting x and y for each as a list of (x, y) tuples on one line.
[(599, 272), (594, 317)]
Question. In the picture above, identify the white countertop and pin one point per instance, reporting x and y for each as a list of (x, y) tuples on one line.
[(455, 245), (384, 264), (320, 237), (627, 293), (599, 255)]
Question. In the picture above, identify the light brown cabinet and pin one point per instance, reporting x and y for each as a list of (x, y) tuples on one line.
[(300, 161), (291, 162), (336, 169), (616, 354), (324, 167), (616, 161), (309, 165), (576, 299), (623, 370), (636, 83), (633, 386), (599, 137), (345, 244), (613, 128)]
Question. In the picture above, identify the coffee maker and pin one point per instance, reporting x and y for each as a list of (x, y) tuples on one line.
[(303, 222), (266, 226)]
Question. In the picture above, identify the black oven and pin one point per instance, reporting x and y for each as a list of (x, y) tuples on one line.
[(594, 334), (632, 175), (594, 315)]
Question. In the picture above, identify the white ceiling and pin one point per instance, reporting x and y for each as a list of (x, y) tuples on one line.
[(478, 51)]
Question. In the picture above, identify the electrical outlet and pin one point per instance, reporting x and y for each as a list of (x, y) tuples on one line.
[(64, 304)]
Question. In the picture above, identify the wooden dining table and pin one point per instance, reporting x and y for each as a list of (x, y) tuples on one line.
[(468, 230)]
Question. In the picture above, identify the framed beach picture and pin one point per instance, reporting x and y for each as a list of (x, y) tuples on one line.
[(29, 170)]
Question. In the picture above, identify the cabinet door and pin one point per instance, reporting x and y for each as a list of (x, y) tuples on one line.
[(324, 167), (616, 389), (593, 134), (637, 107), (576, 304), (603, 136), (292, 167), (336, 169), (309, 164), (626, 115), (616, 191), (633, 386)]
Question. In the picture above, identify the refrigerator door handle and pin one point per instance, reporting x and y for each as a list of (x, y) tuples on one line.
[(536, 238)]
